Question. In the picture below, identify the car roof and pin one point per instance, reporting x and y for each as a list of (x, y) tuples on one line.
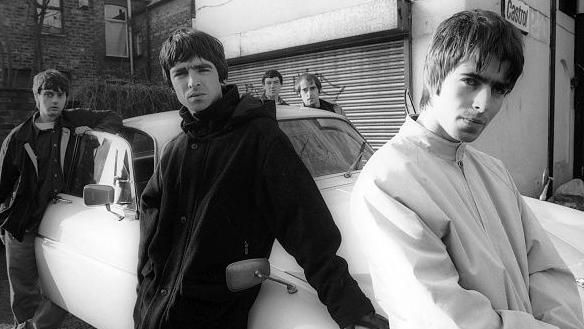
[(165, 125)]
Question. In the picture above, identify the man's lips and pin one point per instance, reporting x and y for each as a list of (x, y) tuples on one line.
[(476, 121), (195, 95)]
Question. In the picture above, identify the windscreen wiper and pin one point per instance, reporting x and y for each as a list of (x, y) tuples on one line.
[(355, 164)]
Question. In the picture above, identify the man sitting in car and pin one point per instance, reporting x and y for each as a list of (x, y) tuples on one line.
[(224, 189)]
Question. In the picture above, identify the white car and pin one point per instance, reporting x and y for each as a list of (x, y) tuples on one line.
[(87, 249)]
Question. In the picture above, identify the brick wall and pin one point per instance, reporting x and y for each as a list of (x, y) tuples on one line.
[(79, 49), (165, 18), (18, 105)]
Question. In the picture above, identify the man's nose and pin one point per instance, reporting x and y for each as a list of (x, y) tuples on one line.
[(194, 80), (483, 98)]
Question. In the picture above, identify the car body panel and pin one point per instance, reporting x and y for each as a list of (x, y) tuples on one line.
[(87, 258)]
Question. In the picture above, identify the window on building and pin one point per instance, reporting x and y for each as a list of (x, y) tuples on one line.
[(116, 32), (52, 21), (568, 7)]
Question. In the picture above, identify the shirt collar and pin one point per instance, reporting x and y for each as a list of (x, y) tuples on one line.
[(428, 140)]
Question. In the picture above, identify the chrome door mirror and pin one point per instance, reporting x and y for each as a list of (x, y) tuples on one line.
[(97, 195), (249, 273)]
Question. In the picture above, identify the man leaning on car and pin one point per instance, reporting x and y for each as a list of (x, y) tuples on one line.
[(225, 188), (33, 160)]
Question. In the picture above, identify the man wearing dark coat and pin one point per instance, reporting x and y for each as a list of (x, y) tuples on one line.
[(225, 188)]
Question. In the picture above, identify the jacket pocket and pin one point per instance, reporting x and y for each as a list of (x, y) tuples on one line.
[(147, 268)]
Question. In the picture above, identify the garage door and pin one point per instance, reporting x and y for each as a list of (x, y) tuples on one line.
[(367, 81)]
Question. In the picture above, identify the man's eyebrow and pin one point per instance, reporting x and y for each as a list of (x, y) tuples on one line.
[(193, 67), (483, 79)]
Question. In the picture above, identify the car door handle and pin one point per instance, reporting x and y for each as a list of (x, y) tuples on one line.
[(60, 199)]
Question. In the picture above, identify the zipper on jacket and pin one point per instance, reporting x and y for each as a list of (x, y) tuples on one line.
[(460, 165)]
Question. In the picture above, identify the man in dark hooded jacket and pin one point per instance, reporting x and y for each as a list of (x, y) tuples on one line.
[(224, 189)]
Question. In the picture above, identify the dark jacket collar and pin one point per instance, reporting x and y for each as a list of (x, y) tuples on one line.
[(226, 113)]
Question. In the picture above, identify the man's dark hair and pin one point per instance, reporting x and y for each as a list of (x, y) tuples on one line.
[(309, 77), (272, 74), (50, 79), (186, 43), (478, 35)]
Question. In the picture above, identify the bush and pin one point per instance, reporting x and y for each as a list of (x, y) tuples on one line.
[(126, 98)]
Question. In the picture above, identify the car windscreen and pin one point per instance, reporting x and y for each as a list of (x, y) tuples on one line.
[(327, 145)]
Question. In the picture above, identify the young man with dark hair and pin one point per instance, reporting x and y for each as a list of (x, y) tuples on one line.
[(450, 241), (33, 160), (308, 86), (272, 83), (225, 188)]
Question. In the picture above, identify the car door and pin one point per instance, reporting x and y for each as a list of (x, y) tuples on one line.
[(87, 256)]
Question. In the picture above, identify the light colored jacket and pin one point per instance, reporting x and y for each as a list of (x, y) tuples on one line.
[(451, 242)]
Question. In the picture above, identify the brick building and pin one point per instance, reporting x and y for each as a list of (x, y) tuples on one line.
[(86, 39)]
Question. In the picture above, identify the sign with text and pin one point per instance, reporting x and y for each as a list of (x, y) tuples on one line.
[(517, 12)]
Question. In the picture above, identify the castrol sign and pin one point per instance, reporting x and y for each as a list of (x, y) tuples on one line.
[(517, 12)]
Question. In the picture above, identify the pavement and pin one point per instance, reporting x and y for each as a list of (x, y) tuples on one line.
[(6, 322)]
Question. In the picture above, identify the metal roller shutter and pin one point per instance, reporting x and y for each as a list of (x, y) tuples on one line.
[(367, 81)]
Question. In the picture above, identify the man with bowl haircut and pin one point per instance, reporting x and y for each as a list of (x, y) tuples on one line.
[(33, 161), (450, 241), (225, 188), (272, 83), (308, 87)]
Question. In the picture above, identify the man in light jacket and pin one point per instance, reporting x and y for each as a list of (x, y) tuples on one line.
[(450, 241)]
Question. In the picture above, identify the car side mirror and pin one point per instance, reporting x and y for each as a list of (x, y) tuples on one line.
[(97, 195), (249, 273)]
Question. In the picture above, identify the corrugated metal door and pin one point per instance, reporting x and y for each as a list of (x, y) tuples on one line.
[(367, 81)]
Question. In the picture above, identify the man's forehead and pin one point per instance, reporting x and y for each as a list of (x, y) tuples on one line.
[(50, 90), (305, 83), (193, 63)]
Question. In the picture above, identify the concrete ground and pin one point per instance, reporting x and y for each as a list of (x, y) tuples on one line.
[(71, 322)]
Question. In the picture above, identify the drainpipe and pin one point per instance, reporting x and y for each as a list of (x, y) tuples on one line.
[(552, 98), (130, 41)]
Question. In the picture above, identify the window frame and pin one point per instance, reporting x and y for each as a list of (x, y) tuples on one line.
[(120, 144), (107, 21), (46, 28)]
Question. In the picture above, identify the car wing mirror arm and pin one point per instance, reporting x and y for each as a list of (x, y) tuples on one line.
[(290, 287), (248, 273)]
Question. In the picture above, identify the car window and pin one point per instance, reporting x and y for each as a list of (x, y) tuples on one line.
[(143, 154), (326, 145), (105, 159)]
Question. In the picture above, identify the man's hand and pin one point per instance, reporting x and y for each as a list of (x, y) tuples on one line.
[(371, 321), (81, 130)]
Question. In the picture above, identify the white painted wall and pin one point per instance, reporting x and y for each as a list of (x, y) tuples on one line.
[(518, 135), (264, 25)]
